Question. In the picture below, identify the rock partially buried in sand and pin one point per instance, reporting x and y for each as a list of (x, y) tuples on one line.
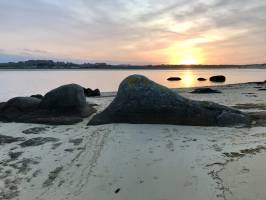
[(142, 101), (64, 105), (219, 78)]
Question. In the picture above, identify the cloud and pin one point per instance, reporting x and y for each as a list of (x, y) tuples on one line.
[(132, 31)]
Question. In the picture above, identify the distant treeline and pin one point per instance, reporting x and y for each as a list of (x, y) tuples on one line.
[(50, 64)]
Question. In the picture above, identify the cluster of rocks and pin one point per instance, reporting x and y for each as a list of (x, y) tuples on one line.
[(142, 101), (219, 78), (63, 105), (139, 101)]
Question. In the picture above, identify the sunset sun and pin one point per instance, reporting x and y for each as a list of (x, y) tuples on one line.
[(185, 55), (189, 61)]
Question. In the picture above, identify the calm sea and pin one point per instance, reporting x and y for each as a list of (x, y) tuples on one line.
[(23, 83)]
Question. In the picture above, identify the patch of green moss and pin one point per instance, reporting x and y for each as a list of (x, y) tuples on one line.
[(204, 103)]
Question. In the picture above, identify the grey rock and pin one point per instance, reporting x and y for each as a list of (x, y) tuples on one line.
[(205, 91), (67, 98), (91, 93), (219, 78), (202, 79), (62, 106), (142, 101), (15, 107), (230, 119), (174, 79)]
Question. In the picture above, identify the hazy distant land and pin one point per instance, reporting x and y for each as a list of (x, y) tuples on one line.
[(50, 64)]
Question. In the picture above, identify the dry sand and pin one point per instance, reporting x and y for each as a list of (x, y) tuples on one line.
[(139, 162)]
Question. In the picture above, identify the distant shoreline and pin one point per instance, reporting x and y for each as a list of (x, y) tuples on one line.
[(52, 65), (132, 68)]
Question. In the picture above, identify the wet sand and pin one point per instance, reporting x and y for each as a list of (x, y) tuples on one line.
[(137, 162)]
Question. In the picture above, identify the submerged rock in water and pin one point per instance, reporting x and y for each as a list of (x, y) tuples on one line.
[(64, 105), (142, 101), (174, 79), (202, 79), (219, 78), (205, 91), (91, 93)]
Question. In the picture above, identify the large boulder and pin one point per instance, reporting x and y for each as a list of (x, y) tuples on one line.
[(142, 101), (219, 78), (64, 105), (67, 98)]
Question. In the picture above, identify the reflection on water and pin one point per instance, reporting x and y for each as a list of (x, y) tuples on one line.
[(22, 83), (189, 78)]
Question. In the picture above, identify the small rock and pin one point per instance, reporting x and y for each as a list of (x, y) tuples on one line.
[(205, 91), (117, 190), (174, 79), (219, 78), (202, 79), (91, 93)]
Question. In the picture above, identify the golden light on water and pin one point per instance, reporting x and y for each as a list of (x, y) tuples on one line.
[(189, 78)]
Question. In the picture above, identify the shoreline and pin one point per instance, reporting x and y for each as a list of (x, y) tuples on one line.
[(137, 68), (186, 89)]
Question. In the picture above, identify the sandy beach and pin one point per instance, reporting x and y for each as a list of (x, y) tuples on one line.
[(138, 162)]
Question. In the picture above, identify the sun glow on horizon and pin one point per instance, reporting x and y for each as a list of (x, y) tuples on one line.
[(180, 55), (189, 61)]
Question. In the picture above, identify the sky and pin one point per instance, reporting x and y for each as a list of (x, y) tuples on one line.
[(135, 31)]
